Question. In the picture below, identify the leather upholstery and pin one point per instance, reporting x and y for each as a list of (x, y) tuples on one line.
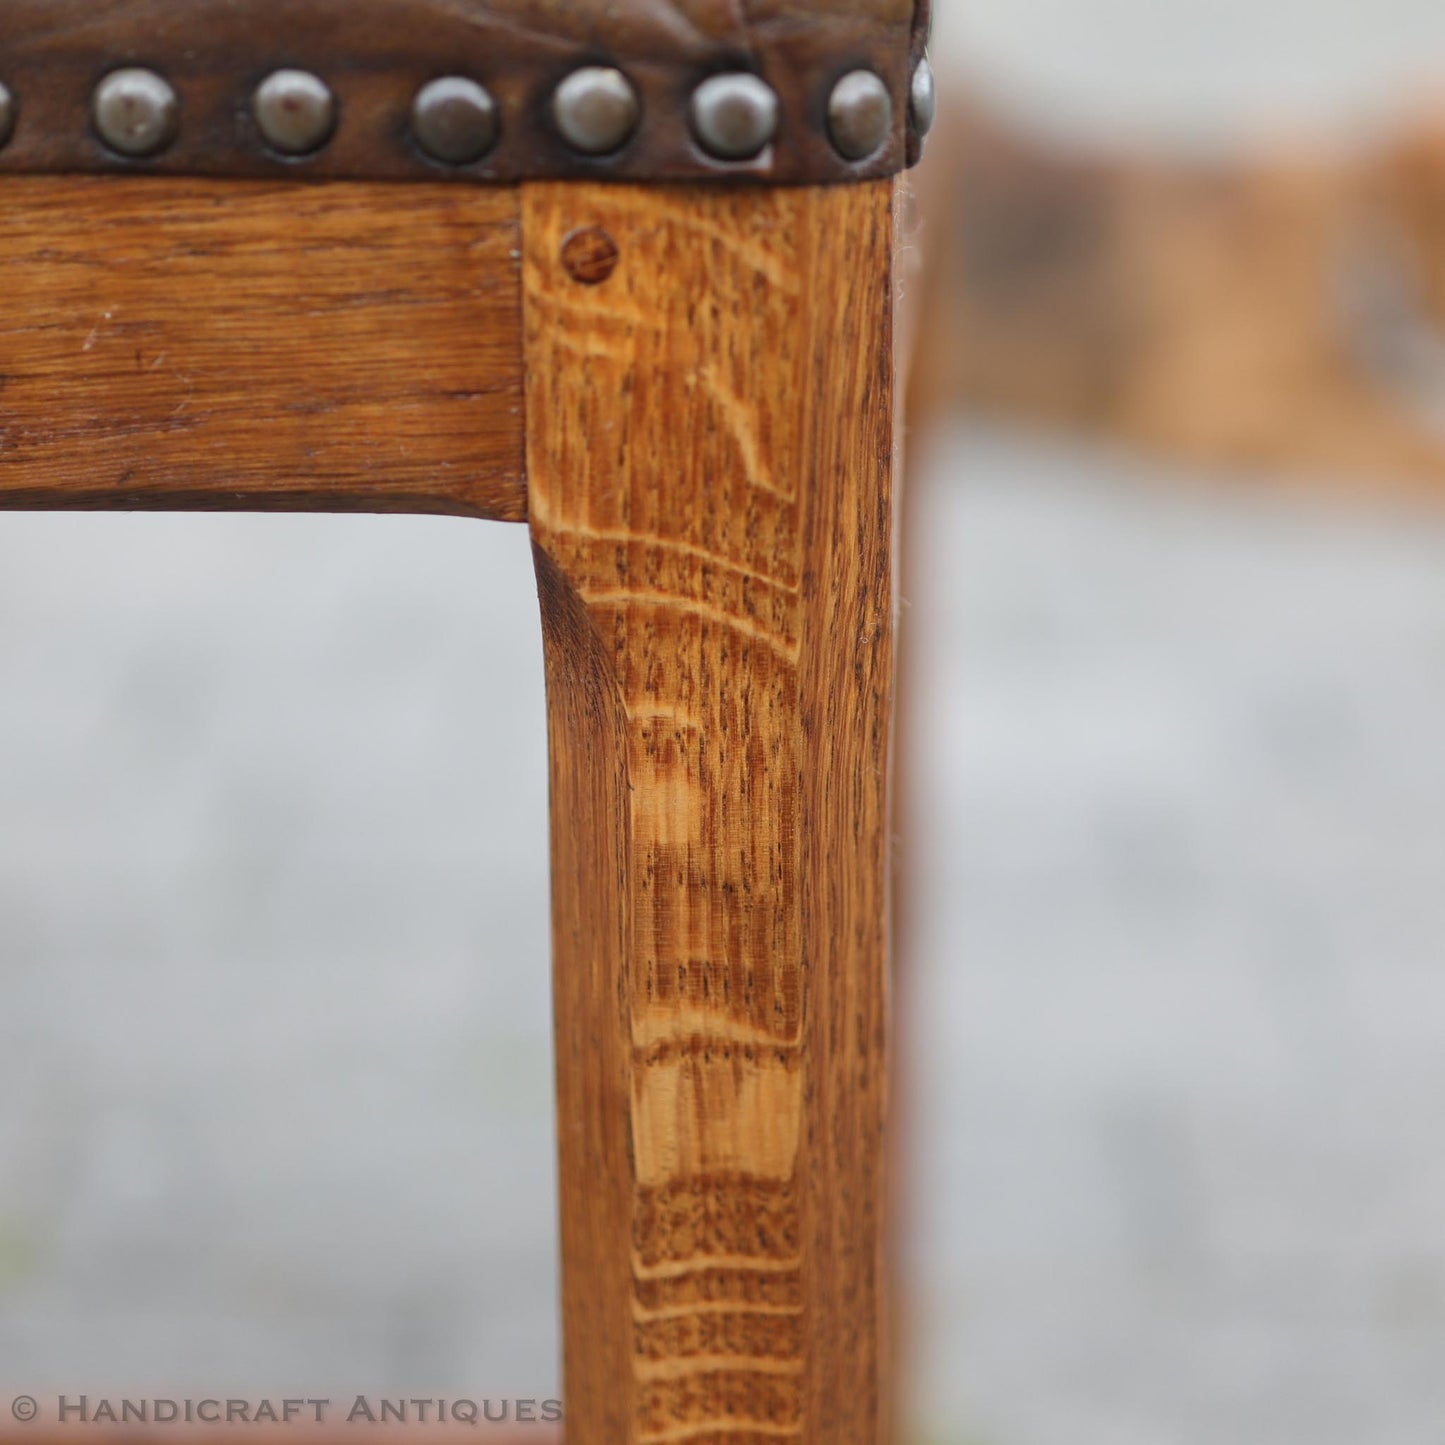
[(376, 54)]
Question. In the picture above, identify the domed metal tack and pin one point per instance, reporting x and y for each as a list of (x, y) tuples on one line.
[(136, 112), (923, 98), (597, 110), (455, 120), (295, 111), (734, 116), (860, 115)]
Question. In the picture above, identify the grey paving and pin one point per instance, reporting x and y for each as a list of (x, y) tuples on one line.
[(274, 1077), (274, 1073), (1178, 1001)]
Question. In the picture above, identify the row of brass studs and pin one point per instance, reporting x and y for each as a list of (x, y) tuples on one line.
[(455, 121)]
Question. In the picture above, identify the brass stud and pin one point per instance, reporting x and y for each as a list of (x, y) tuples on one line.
[(455, 120), (860, 115), (136, 112), (923, 98), (295, 111), (734, 116), (597, 110)]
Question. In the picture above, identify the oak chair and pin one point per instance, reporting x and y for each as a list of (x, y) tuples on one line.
[(624, 273)]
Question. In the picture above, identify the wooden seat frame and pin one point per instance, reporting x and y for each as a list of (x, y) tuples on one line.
[(688, 393)]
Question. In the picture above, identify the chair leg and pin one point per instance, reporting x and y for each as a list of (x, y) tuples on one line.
[(711, 451)]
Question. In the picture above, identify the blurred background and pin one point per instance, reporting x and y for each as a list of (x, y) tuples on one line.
[(275, 1082)]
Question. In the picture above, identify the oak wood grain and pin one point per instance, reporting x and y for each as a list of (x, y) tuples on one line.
[(237, 345), (711, 450)]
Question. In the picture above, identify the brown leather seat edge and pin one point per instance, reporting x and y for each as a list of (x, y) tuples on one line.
[(375, 55)]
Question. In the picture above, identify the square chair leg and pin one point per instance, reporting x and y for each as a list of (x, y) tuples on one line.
[(710, 456)]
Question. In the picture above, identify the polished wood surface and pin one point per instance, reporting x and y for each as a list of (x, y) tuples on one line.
[(708, 459), (711, 453), (242, 345)]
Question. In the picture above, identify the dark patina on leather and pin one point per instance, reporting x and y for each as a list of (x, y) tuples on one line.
[(376, 54)]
